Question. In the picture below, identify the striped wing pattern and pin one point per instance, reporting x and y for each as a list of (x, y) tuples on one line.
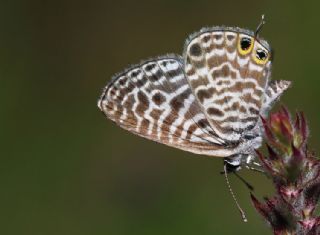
[(228, 86), (154, 100)]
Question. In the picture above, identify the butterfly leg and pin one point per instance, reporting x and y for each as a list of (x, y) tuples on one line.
[(256, 164), (249, 186), (253, 165), (254, 169)]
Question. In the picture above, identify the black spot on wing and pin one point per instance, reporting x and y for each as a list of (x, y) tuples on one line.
[(195, 50)]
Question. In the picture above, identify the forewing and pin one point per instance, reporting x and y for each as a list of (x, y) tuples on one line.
[(228, 86), (154, 100)]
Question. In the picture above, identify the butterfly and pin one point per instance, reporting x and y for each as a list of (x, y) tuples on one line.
[(208, 101)]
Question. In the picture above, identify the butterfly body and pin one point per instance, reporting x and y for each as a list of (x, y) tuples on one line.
[(209, 101)]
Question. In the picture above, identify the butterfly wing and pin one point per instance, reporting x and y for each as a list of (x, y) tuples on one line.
[(228, 85), (154, 100), (273, 92)]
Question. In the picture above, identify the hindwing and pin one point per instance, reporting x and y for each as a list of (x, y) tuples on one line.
[(228, 85)]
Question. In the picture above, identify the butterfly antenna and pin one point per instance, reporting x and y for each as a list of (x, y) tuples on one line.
[(262, 22), (243, 215)]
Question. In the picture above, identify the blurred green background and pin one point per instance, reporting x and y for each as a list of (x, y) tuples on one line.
[(66, 169)]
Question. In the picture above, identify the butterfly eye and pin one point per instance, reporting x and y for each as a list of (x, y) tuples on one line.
[(245, 44), (261, 55)]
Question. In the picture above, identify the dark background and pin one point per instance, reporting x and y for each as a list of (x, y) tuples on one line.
[(65, 169)]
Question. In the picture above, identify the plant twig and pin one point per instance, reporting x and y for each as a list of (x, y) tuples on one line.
[(295, 173)]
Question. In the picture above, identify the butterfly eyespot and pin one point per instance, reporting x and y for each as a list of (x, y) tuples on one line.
[(245, 45), (261, 56)]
